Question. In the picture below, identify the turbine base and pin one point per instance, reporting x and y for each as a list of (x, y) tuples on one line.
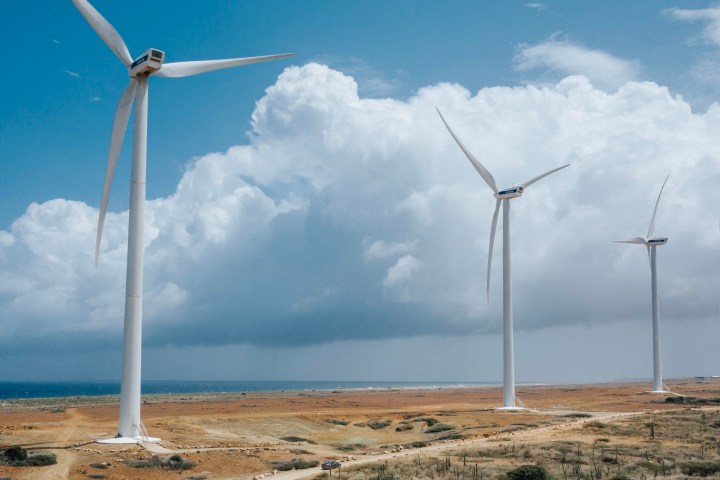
[(128, 440), (658, 392), (511, 409)]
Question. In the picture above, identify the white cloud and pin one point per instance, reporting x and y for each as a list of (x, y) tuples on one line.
[(536, 6), (568, 58), (348, 218), (72, 74), (711, 15), (380, 249), (402, 272)]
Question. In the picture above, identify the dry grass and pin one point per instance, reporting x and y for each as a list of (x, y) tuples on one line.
[(674, 444)]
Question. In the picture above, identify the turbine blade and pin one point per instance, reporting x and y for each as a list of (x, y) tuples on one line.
[(636, 240), (484, 173), (527, 183), (652, 220), (185, 69), (106, 31), (122, 114), (493, 228)]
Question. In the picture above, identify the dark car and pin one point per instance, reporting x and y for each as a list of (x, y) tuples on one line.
[(330, 465)]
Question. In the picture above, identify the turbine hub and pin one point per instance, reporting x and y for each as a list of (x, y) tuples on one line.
[(148, 63)]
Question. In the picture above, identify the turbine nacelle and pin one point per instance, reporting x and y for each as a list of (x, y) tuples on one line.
[(648, 242), (513, 192), (653, 242), (146, 64)]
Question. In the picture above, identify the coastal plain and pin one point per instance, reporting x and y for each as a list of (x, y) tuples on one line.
[(255, 434)]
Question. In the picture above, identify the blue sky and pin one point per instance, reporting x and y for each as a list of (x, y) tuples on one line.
[(392, 48), (329, 208)]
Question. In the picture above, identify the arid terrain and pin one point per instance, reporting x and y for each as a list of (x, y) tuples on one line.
[(240, 435)]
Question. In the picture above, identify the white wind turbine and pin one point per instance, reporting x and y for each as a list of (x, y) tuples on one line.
[(503, 196), (149, 63), (650, 243)]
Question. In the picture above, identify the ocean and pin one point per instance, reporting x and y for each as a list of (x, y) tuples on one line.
[(16, 390)]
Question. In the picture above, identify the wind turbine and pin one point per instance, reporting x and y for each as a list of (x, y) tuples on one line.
[(651, 243), (504, 197), (150, 62)]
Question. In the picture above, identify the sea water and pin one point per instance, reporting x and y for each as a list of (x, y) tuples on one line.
[(15, 390)]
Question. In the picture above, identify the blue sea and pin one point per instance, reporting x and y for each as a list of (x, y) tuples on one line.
[(16, 390)]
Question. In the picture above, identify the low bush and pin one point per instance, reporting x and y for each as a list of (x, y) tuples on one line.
[(528, 472), (41, 459), (293, 464), (173, 462), (19, 457), (15, 454), (335, 421), (378, 424), (429, 421), (294, 439), (440, 427), (417, 444), (594, 424), (700, 469), (403, 427)]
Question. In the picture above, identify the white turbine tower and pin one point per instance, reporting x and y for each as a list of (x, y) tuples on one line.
[(650, 243), (149, 63), (503, 196)]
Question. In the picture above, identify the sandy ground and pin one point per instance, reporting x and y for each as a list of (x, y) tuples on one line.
[(234, 436)]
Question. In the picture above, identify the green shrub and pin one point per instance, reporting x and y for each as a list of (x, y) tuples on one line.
[(620, 476), (177, 462), (337, 422), (595, 424), (700, 469), (15, 454), (294, 439), (440, 427), (294, 464), (417, 444), (378, 424), (174, 462), (403, 427), (41, 459), (528, 472)]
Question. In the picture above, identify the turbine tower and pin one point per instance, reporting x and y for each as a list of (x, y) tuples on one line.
[(149, 63), (651, 243), (504, 197)]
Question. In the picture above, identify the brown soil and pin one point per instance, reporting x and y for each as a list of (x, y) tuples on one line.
[(236, 435)]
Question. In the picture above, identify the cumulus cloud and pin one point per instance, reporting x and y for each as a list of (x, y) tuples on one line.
[(402, 272), (711, 16), (344, 217), (567, 58)]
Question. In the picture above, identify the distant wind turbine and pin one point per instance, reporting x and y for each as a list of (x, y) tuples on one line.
[(503, 196), (150, 63), (650, 243)]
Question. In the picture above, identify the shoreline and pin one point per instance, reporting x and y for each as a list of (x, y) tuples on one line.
[(72, 401)]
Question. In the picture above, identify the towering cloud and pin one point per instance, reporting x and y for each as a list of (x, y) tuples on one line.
[(343, 217)]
